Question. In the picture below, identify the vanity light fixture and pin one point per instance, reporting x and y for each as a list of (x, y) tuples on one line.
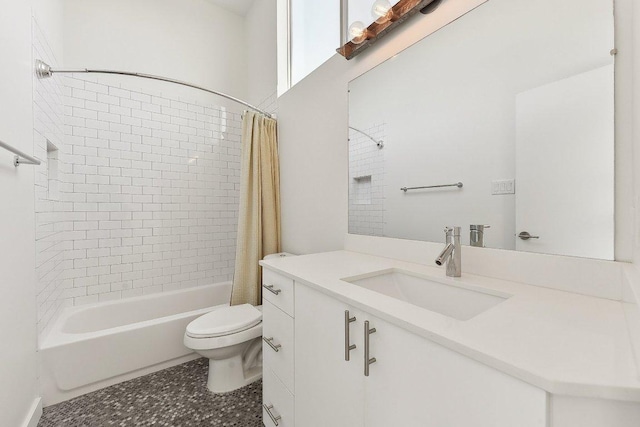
[(358, 32), (386, 18), (383, 12)]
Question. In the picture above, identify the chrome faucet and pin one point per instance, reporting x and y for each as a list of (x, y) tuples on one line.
[(451, 254)]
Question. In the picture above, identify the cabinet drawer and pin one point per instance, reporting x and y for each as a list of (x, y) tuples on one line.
[(278, 290), (277, 402), (278, 325)]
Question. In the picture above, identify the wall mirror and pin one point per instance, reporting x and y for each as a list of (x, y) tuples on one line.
[(511, 107)]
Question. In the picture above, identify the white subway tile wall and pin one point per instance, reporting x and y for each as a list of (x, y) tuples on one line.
[(149, 189), (156, 183), (366, 181), (51, 243)]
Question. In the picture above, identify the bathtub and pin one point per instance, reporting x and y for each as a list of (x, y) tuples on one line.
[(93, 346)]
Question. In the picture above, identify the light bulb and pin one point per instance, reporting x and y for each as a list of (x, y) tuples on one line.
[(358, 32), (380, 11)]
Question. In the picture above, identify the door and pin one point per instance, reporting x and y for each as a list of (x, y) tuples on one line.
[(329, 390), (567, 204), (417, 383)]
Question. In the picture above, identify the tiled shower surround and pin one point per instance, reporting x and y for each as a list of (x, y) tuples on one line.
[(48, 132), (149, 192), (366, 182)]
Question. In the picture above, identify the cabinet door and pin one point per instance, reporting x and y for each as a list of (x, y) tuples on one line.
[(415, 382), (277, 402), (277, 327), (329, 390)]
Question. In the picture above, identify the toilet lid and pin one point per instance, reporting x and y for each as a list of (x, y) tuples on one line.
[(225, 321)]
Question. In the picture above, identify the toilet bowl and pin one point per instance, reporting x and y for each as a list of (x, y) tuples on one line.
[(230, 337)]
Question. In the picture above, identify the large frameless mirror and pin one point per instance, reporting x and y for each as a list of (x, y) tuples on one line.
[(502, 123)]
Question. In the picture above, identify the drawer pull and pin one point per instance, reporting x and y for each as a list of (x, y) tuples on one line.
[(273, 418), (275, 347), (270, 289), (347, 341), (367, 361)]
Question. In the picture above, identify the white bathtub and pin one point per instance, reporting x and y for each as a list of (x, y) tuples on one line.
[(97, 345)]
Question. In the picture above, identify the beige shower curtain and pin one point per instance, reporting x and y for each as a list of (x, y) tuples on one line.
[(259, 215)]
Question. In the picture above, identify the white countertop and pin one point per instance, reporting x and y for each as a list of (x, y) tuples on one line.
[(564, 343)]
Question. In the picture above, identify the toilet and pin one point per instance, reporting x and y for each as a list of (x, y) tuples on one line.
[(231, 338)]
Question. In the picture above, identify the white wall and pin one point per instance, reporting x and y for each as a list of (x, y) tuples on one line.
[(313, 133), (262, 71), (18, 387), (50, 17), (190, 40), (18, 367), (633, 61)]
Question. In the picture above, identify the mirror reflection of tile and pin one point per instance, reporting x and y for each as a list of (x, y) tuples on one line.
[(366, 181)]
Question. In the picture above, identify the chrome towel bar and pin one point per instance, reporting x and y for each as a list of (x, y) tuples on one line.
[(20, 157), (457, 184)]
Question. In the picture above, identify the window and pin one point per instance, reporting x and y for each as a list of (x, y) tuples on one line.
[(308, 35)]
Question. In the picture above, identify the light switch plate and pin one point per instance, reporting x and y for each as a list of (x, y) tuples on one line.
[(503, 186)]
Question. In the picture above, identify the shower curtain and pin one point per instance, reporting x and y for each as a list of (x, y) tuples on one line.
[(259, 215)]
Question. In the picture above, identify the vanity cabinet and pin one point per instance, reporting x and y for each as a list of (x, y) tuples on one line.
[(278, 350), (330, 390), (413, 381)]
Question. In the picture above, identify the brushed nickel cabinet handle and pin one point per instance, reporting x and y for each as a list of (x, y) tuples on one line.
[(271, 289), (367, 360), (275, 347), (347, 344), (273, 418)]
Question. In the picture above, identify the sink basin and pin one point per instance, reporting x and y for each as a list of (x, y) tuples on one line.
[(458, 301)]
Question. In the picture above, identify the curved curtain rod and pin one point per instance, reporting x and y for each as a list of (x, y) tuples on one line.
[(380, 143), (43, 70)]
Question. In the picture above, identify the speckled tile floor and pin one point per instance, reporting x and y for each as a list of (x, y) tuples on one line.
[(174, 397)]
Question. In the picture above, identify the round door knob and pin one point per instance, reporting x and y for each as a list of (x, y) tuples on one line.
[(524, 235)]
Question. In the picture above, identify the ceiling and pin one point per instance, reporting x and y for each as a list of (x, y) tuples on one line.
[(241, 7)]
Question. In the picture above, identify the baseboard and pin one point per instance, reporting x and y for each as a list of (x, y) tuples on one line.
[(35, 412)]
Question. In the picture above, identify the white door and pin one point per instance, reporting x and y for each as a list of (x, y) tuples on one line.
[(329, 390), (417, 383), (568, 204)]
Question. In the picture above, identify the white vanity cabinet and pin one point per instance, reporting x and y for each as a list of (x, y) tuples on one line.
[(277, 350), (330, 390), (413, 382)]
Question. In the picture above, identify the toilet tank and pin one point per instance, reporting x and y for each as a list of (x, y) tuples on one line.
[(278, 255)]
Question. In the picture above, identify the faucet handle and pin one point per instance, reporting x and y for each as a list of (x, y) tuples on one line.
[(478, 227), (452, 231)]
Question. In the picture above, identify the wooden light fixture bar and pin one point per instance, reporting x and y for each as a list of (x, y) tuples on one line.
[(400, 12)]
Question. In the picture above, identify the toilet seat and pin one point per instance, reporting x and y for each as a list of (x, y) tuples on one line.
[(225, 321)]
